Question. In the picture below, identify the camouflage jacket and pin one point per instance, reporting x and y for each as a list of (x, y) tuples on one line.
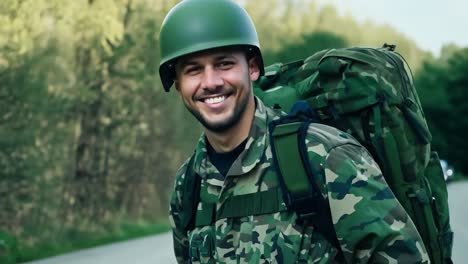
[(370, 224)]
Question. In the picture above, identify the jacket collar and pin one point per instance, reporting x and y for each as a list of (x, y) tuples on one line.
[(249, 157)]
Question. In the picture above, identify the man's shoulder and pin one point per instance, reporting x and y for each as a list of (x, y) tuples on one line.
[(338, 152), (328, 137), (182, 168), (317, 133), (182, 172), (271, 112)]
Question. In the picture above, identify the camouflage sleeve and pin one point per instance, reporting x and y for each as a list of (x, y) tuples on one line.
[(179, 235), (370, 223)]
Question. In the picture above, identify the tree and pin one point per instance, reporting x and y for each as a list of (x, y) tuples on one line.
[(442, 88), (456, 85), (88, 135), (310, 44)]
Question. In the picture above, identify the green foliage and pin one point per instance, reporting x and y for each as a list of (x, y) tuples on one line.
[(457, 83), (8, 248), (84, 122), (308, 45), (442, 85)]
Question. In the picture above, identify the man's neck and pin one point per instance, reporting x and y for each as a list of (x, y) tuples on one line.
[(228, 140)]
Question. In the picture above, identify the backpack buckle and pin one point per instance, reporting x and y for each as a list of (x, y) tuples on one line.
[(305, 206)]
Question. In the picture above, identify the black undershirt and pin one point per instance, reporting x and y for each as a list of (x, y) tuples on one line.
[(223, 161)]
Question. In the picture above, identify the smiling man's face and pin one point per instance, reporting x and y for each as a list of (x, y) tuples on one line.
[(216, 86)]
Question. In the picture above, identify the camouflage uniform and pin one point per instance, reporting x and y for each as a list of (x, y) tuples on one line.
[(370, 223)]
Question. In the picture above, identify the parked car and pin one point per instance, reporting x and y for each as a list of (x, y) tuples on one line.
[(447, 169)]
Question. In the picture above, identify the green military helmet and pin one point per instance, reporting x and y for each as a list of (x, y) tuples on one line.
[(196, 25)]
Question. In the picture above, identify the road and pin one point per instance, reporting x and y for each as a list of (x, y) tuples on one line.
[(158, 249), (458, 200), (148, 250)]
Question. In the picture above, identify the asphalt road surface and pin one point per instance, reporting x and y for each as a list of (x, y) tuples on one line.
[(158, 249), (458, 202), (153, 249)]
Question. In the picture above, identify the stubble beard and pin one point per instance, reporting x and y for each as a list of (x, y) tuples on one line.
[(230, 122)]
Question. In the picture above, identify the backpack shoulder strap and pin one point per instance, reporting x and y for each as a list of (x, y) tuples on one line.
[(237, 206), (191, 196), (298, 180)]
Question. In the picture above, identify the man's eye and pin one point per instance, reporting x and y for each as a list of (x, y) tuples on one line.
[(225, 64), (191, 70)]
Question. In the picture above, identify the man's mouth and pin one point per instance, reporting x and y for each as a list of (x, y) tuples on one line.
[(215, 100)]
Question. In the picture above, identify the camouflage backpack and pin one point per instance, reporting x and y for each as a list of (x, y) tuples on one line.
[(368, 93)]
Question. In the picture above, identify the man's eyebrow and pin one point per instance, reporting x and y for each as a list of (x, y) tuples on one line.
[(224, 56), (186, 63), (192, 62)]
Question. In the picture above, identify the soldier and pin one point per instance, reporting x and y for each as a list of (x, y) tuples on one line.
[(211, 54)]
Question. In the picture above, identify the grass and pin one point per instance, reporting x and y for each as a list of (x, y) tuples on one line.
[(75, 240)]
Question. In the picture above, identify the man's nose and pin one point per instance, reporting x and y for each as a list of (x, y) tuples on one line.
[(212, 79)]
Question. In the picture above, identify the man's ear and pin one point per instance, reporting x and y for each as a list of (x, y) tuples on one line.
[(176, 80), (176, 85), (254, 71)]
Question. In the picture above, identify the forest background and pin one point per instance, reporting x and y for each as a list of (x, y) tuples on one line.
[(90, 142)]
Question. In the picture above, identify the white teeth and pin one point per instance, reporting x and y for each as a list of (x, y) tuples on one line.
[(215, 100)]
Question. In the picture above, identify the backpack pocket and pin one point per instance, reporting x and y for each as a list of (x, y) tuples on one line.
[(202, 245)]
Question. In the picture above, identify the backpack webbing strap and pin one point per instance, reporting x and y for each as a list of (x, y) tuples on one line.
[(297, 178), (191, 196), (257, 203), (289, 161), (422, 132), (434, 175), (205, 215)]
